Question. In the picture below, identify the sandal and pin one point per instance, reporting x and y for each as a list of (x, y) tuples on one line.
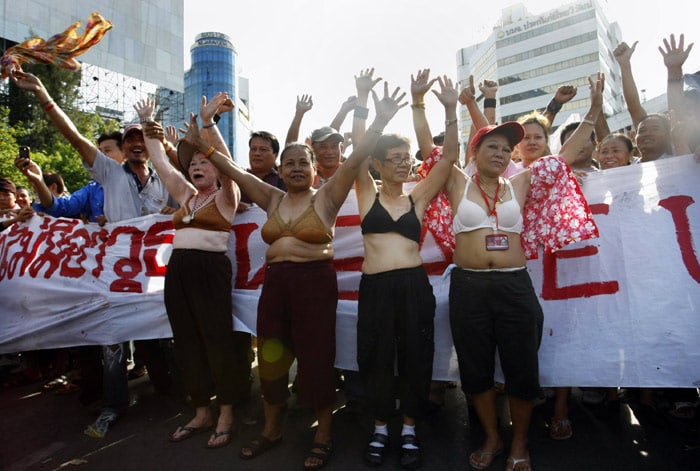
[(512, 463), (188, 432), (374, 455), (482, 459), (560, 429), (323, 455), (227, 434), (410, 458), (258, 446)]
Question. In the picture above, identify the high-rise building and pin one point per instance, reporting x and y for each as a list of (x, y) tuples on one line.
[(213, 70), (532, 55)]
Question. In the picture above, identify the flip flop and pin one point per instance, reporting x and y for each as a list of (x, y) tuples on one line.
[(258, 446), (189, 432), (489, 455), (227, 434), (323, 455)]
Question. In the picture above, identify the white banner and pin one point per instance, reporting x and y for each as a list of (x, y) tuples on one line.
[(620, 310)]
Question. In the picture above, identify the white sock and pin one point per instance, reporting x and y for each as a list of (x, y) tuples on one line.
[(382, 430), (409, 430)]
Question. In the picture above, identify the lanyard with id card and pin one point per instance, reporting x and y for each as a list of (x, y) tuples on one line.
[(497, 240)]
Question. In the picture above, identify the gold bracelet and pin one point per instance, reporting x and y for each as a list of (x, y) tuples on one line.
[(418, 106), (209, 152)]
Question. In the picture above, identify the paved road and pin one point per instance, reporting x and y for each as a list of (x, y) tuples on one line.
[(42, 431)]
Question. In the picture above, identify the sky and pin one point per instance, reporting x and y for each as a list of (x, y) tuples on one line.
[(293, 47)]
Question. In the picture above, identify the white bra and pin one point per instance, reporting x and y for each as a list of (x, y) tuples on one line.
[(470, 216)]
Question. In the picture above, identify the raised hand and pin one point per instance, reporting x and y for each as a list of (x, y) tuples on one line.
[(468, 93), (144, 108), (153, 130), (488, 88), (623, 52), (365, 82), (448, 94), (420, 84), (192, 135), (171, 135), (207, 110), (565, 93), (29, 168), (227, 106), (675, 56), (26, 81), (387, 107), (304, 104), (596, 88), (348, 104)]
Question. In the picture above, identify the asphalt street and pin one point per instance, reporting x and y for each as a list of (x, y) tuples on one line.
[(44, 431)]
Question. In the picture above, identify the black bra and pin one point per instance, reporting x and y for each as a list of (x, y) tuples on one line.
[(379, 221)]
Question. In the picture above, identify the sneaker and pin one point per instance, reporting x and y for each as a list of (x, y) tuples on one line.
[(101, 426)]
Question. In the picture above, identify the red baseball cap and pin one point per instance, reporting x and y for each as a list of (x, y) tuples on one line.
[(512, 130)]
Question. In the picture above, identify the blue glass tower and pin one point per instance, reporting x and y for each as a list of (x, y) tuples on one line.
[(213, 70)]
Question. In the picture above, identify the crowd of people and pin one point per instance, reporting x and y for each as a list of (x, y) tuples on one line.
[(484, 206)]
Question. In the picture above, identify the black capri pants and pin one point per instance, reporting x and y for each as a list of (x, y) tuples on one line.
[(490, 309)]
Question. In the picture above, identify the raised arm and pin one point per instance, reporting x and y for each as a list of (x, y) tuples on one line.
[(58, 117), (488, 88), (623, 55), (420, 84), (563, 95), (345, 108), (35, 177), (207, 110), (210, 131), (467, 97), (336, 189), (674, 58), (363, 84), (154, 135), (304, 104), (572, 146), (257, 190), (427, 188)]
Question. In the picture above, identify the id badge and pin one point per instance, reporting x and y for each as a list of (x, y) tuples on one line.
[(497, 242)]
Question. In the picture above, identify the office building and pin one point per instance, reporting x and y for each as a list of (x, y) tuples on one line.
[(532, 55)]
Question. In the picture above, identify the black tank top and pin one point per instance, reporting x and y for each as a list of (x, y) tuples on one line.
[(379, 221)]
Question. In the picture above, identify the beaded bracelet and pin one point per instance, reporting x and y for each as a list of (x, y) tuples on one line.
[(588, 121)]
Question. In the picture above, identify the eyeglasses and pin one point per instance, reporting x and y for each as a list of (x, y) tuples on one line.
[(398, 160)]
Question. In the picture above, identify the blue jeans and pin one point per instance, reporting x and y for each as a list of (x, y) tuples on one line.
[(115, 386)]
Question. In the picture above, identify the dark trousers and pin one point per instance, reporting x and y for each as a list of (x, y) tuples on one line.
[(296, 318), (198, 302), (395, 338), (490, 309)]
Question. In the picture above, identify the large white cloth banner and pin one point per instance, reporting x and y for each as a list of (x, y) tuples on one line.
[(620, 310)]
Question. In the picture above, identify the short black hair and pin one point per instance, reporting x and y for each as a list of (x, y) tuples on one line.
[(106, 136), (569, 128), (268, 136)]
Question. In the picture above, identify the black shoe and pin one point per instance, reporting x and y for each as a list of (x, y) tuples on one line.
[(410, 457), (374, 455)]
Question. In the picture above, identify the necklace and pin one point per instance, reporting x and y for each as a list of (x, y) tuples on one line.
[(188, 218), (500, 191)]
